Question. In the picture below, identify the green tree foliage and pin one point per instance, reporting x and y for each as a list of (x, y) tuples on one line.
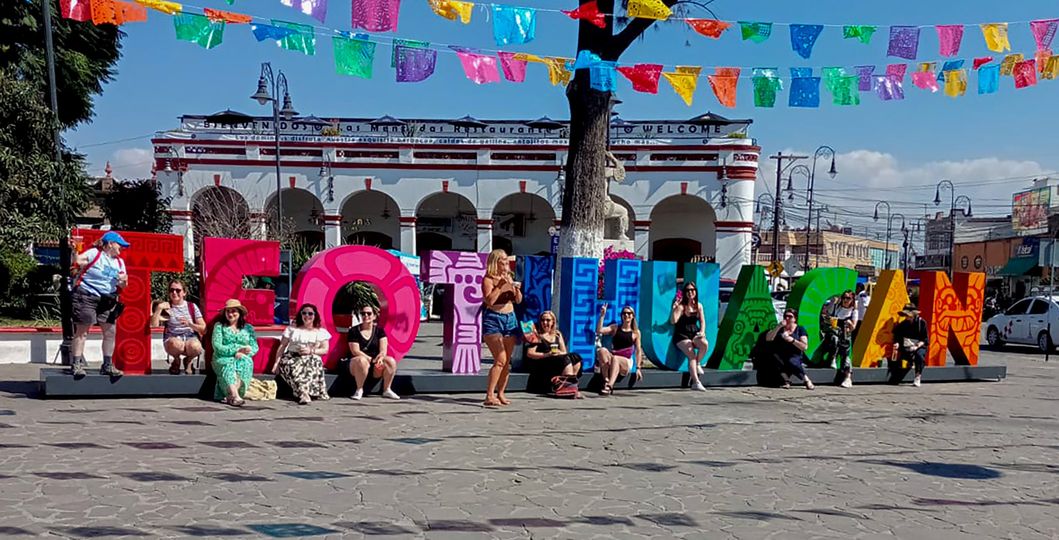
[(138, 206)]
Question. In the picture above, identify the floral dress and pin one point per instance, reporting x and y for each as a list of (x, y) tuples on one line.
[(229, 369), (304, 372)]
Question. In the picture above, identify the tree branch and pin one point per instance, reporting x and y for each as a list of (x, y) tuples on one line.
[(622, 40)]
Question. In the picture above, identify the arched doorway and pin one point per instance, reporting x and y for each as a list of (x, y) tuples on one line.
[(303, 217), (219, 212), (521, 222), (371, 218), (682, 228), (446, 221)]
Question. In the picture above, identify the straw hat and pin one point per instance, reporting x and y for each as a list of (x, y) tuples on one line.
[(235, 304)]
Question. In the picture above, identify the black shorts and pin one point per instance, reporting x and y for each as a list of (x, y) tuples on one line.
[(87, 309)]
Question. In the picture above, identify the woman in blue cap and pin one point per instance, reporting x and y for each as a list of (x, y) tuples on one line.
[(100, 277)]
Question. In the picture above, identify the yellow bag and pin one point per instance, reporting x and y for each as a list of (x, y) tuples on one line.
[(261, 390)]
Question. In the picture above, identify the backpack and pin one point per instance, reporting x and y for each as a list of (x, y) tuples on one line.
[(564, 387)]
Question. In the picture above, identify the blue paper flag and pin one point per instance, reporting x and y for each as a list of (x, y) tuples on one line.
[(586, 59), (803, 37), (949, 66), (988, 79), (513, 25), (601, 76), (805, 92), (267, 31), (799, 72)]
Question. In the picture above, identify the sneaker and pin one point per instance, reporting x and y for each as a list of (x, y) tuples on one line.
[(916, 381), (358, 394), (698, 386), (848, 383), (698, 368), (390, 394), (78, 370), (109, 369)]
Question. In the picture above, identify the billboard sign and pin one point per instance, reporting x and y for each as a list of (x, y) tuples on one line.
[(1029, 211)]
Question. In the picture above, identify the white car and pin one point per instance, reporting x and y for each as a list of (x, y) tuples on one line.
[(1025, 323)]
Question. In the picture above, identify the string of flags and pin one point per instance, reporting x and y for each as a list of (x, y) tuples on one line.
[(416, 61)]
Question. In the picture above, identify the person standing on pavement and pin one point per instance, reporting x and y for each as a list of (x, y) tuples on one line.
[(183, 325), (911, 339), (100, 278), (500, 293)]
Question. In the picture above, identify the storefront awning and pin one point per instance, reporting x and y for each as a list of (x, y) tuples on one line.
[(1018, 266)]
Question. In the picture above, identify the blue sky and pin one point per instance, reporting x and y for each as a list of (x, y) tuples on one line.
[(989, 145)]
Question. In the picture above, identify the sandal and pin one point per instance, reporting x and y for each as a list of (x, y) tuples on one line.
[(174, 367), (607, 389), (189, 366)]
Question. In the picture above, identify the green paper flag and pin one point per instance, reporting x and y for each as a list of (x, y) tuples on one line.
[(757, 32), (231, 2), (765, 89), (353, 57), (302, 39), (860, 32), (847, 90), (198, 29), (405, 43), (831, 75)]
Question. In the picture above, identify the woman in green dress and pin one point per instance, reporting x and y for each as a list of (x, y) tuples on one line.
[(234, 346)]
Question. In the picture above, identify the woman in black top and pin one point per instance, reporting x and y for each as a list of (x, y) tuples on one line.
[(548, 357), (688, 322), (367, 344), (624, 348)]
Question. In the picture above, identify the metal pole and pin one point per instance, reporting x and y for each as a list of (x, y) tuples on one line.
[(275, 134), (809, 225), (952, 232), (776, 208), (65, 256)]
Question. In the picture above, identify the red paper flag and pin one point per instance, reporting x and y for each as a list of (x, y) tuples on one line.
[(724, 82), (588, 12), (104, 12), (78, 10), (217, 15), (1025, 73), (979, 62), (644, 77), (129, 12), (710, 28)]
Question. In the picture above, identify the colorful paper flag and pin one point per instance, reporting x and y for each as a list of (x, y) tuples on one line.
[(889, 89), (927, 67), (78, 10), (301, 39), (799, 72), (415, 64), (725, 82), (480, 68), (1025, 73), (513, 25), (711, 28), (803, 37), (831, 75), (226, 16), (199, 30), (514, 68), (683, 84), (1007, 65), (128, 12), (950, 36), (904, 42), (413, 43), (586, 59), (559, 71), (1042, 57), (988, 79), (648, 9), (757, 32), (644, 77), (169, 8), (601, 76), (996, 36), (588, 12), (1051, 69), (116, 12), (376, 15), (1044, 32), (925, 81), (949, 65), (453, 10), (862, 32), (266, 31), (864, 78), (979, 62), (805, 92), (316, 9), (897, 71), (354, 57), (955, 82), (846, 92), (765, 88)]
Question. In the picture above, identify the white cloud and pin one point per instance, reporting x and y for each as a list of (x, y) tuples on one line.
[(132, 163)]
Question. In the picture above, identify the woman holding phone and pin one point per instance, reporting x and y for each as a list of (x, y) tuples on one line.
[(689, 320), (500, 293)]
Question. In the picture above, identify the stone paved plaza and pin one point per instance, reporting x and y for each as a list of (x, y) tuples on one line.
[(961, 460)]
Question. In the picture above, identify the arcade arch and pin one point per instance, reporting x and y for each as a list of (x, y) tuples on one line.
[(682, 228), (303, 215), (371, 218), (446, 221), (520, 224)]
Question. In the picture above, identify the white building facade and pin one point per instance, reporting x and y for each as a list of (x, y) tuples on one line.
[(416, 185)]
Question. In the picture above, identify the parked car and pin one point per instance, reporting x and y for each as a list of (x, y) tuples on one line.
[(1025, 323)]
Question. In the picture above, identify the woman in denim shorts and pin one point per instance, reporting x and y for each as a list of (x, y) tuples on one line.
[(500, 293)]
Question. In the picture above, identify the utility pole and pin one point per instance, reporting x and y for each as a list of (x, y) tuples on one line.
[(780, 169)]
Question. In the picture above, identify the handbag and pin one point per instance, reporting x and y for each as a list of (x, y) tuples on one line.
[(259, 390), (565, 386)]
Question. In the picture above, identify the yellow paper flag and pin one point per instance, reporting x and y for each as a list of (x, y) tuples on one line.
[(927, 67), (955, 82), (527, 57), (1051, 69), (169, 8), (996, 36), (1007, 66), (649, 9), (690, 70), (453, 9), (684, 84), (557, 72)]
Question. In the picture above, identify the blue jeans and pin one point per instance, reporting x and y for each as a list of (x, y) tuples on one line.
[(504, 324)]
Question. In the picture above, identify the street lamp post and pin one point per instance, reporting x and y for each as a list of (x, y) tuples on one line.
[(822, 151), (953, 199), (277, 82), (780, 169)]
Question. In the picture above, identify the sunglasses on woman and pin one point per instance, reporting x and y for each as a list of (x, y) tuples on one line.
[(367, 313), (624, 313), (308, 314), (175, 290)]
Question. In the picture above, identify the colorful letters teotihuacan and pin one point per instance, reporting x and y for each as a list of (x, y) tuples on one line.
[(952, 309)]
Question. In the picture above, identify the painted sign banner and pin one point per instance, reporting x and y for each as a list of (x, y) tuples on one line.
[(1029, 211)]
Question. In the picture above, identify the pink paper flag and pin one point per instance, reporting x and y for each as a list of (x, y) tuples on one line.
[(1044, 32), (897, 71), (376, 15), (1025, 73), (925, 80), (949, 37), (979, 62), (514, 69), (479, 68)]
